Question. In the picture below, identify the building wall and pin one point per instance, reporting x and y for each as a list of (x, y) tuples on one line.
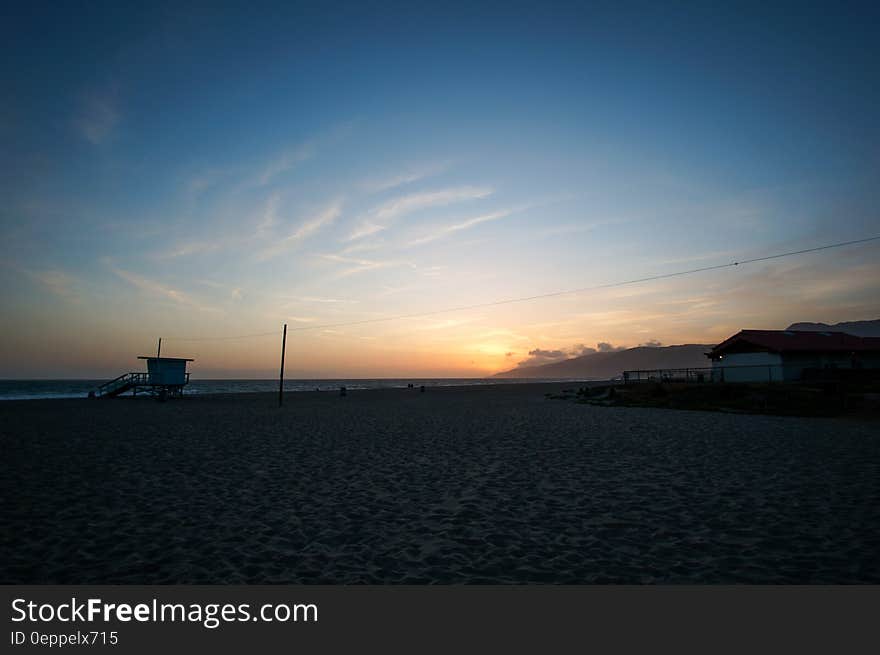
[(761, 367), (771, 367), (818, 360), (831, 360)]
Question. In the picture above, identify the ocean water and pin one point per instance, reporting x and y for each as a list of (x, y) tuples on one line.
[(35, 389)]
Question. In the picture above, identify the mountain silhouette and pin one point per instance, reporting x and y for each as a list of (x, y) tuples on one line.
[(858, 328), (604, 365)]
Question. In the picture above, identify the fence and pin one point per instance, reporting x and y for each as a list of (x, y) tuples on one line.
[(742, 373), (752, 373)]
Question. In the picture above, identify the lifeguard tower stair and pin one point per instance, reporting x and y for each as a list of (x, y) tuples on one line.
[(125, 382)]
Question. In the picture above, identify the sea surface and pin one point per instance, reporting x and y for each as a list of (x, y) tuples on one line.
[(36, 389)]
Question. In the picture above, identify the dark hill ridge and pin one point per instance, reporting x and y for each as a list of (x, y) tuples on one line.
[(612, 364), (857, 328)]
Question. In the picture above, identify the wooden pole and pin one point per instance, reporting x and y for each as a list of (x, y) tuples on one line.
[(281, 375), (158, 363)]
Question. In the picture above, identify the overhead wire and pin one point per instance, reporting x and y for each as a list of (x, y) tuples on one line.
[(551, 294)]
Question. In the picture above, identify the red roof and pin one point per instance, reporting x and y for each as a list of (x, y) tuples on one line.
[(798, 340)]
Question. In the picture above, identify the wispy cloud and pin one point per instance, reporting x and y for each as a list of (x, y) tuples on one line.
[(285, 162), (577, 228), (218, 241), (305, 230), (366, 228), (199, 182), (362, 246), (317, 299), (357, 265), (151, 286), (689, 259), (408, 176), (192, 248), (234, 293), (55, 281), (97, 117), (432, 271), (424, 200), (270, 213), (458, 227), (292, 157), (154, 288), (446, 323), (263, 228), (380, 218), (390, 291)]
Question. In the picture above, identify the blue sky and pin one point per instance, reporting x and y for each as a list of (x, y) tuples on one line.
[(221, 169)]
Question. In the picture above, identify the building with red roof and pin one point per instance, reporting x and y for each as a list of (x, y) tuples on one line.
[(777, 355)]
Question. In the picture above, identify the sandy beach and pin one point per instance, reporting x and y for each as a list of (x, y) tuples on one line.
[(493, 484)]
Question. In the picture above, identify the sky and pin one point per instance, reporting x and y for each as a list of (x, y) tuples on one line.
[(217, 170)]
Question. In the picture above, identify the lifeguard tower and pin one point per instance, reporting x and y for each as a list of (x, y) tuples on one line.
[(165, 376)]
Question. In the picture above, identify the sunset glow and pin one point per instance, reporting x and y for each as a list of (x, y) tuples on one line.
[(202, 179)]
